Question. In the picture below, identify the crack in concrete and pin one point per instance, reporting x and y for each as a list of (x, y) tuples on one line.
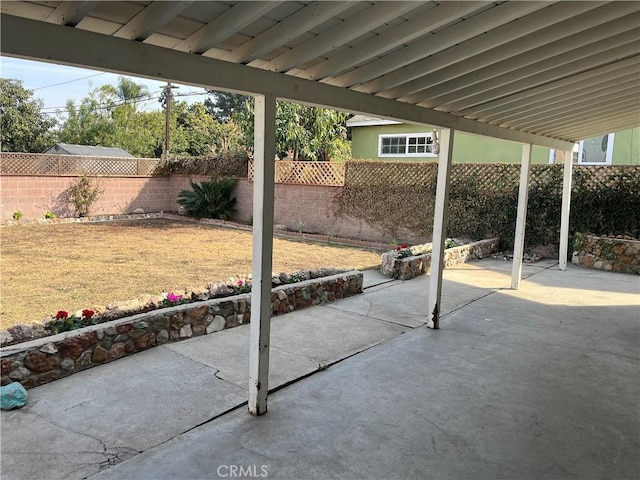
[(112, 456), (115, 456), (371, 317), (216, 369)]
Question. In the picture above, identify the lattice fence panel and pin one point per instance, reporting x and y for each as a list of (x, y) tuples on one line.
[(72, 165), (490, 177), (28, 164), (46, 164), (307, 173), (390, 173), (598, 177), (147, 166)]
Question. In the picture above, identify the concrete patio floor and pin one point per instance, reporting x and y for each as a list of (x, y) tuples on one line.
[(543, 382)]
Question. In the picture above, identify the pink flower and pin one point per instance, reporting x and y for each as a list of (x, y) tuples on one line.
[(173, 298)]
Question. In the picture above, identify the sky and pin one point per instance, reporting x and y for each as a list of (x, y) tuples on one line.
[(55, 84)]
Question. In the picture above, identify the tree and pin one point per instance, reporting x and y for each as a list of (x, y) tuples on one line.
[(108, 117), (139, 133), (90, 122), (194, 129), (302, 132), (127, 91), (222, 105), (23, 126)]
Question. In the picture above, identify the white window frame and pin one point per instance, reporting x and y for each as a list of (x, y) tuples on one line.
[(407, 136), (608, 157)]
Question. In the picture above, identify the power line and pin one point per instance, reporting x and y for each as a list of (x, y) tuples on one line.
[(139, 99), (69, 81)]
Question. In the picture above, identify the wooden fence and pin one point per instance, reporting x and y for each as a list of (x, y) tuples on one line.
[(307, 173), (67, 165)]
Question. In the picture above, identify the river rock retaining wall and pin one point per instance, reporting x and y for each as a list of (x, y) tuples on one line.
[(46, 359), (411, 267), (610, 254)]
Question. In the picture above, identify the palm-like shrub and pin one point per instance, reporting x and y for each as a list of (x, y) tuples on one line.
[(209, 199)]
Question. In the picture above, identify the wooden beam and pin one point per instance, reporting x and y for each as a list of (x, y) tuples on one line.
[(389, 39), (608, 51), (538, 28), (570, 110), (439, 238), (437, 42), (341, 34), (226, 24), (286, 30), (263, 200), (521, 219), (71, 46), (529, 60), (566, 209), (153, 17), (71, 13), (593, 76), (570, 93)]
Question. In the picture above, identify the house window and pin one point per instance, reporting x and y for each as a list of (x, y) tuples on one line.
[(596, 151), (406, 145)]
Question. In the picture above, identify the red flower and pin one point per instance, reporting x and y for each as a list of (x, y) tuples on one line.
[(61, 314), (404, 245), (88, 314)]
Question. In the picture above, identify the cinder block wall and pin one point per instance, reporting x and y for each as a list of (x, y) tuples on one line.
[(314, 205), (35, 195)]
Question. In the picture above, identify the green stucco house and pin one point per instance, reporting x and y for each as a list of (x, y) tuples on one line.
[(379, 139)]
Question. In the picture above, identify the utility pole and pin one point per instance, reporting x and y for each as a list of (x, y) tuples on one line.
[(168, 96)]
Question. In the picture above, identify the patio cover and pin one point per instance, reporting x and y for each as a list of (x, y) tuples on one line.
[(540, 72)]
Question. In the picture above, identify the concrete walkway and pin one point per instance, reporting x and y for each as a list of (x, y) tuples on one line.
[(542, 382)]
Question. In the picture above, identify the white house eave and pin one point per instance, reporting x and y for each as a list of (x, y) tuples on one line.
[(71, 46), (370, 123)]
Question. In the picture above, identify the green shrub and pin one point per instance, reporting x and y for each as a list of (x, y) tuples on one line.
[(49, 215), (209, 199), (17, 215), (483, 200), (83, 194)]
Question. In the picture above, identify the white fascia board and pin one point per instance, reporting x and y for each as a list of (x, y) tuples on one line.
[(371, 123), (32, 39)]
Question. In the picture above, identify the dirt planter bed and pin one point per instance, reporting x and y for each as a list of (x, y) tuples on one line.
[(46, 359), (411, 267)]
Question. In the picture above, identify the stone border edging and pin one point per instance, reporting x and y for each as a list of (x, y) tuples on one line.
[(116, 217), (46, 359), (610, 254), (411, 267), (281, 232)]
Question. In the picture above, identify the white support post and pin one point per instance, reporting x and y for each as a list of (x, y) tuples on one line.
[(521, 219), (440, 227), (263, 198), (566, 208)]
